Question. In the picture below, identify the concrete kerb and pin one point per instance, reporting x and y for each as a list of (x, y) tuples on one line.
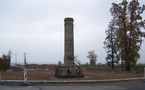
[(73, 81)]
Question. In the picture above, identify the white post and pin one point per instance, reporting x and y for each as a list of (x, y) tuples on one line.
[(25, 75)]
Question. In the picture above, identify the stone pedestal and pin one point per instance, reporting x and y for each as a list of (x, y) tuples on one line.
[(69, 72)]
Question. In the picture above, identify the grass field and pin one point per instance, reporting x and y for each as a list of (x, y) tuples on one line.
[(96, 72)]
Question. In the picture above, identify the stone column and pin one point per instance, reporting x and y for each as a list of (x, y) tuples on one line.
[(69, 69), (69, 42)]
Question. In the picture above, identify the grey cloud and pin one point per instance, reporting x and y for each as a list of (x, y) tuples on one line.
[(37, 27)]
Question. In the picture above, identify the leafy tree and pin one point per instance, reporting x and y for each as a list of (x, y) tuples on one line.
[(93, 57), (134, 30), (129, 35), (5, 61), (111, 44), (119, 12)]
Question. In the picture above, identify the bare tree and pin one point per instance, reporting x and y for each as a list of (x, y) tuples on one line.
[(93, 57), (77, 60)]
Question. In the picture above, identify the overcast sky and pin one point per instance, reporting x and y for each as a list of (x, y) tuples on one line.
[(37, 28)]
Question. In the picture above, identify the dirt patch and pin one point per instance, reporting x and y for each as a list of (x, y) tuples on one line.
[(97, 72)]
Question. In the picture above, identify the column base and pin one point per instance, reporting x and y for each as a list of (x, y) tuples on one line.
[(69, 72)]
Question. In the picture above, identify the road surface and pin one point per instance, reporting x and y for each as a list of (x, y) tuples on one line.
[(132, 85)]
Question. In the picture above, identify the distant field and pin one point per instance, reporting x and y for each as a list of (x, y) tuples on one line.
[(96, 72)]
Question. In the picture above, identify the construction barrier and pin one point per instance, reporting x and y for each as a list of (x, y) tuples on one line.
[(25, 78), (25, 75)]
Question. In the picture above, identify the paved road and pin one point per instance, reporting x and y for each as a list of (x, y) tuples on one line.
[(134, 85)]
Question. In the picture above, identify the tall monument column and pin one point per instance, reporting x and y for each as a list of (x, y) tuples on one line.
[(69, 69), (69, 42)]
